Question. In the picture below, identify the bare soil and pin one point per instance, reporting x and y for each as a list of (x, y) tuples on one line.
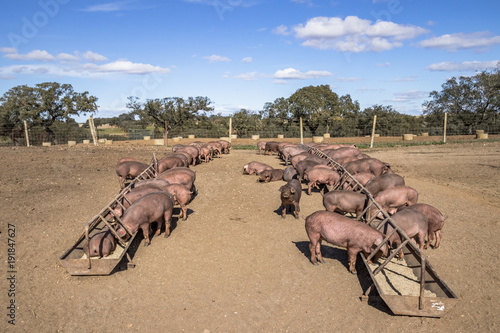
[(235, 265)]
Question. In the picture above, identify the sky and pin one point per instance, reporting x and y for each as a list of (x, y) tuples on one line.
[(245, 53)]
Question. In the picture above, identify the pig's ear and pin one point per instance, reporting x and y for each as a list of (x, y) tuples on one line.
[(292, 191), (281, 188)]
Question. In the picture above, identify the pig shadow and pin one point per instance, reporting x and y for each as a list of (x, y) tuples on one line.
[(289, 212), (330, 252)]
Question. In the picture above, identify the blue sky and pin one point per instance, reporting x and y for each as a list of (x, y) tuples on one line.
[(244, 53)]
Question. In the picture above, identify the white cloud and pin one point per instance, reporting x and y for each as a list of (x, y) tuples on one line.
[(252, 76), (348, 79), (280, 81), (294, 74), (459, 41), (406, 79), (466, 66), (247, 60), (384, 64), (281, 30), (108, 7), (217, 58), (410, 95), (94, 57), (37, 55), (353, 34), (124, 66), (71, 65)]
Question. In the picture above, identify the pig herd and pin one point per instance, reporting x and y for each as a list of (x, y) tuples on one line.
[(153, 200), (388, 189)]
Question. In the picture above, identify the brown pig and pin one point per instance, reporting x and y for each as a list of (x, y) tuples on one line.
[(341, 231), (321, 176), (393, 198), (273, 175), (154, 207), (255, 167), (169, 162), (344, 202), (182, 196), (372, 165), (435, 221), (413, 223), (261, 146), (290, 196), (129, 170), (384, 182), (102, 244)]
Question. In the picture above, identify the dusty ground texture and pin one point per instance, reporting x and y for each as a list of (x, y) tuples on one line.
[(235, 265)]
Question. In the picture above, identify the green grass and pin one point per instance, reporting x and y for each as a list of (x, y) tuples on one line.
[(244, 147)]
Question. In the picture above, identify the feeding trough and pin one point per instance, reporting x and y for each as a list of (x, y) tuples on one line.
[(77, 262), (410, 286)]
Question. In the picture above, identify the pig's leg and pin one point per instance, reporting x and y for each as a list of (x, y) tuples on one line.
[(283, 210), (184, 212), (318, 251), (438, 239), (167, 217), (312, 249), (351, 256), (145, 230), (296, 210), (309, 186), (430, 238)]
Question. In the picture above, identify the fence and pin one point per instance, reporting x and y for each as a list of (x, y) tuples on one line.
[(16, 137)]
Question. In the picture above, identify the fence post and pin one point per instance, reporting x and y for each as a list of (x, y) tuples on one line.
[(230, 128), (92, 130), (373, 130), (444, 130), (301, 133), (26, 134)]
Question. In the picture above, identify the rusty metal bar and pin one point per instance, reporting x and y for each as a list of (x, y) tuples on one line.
[(88, 246), (422, 284), (389, 258)]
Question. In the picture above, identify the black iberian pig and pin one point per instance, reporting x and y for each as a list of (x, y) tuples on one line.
[(290, 196)]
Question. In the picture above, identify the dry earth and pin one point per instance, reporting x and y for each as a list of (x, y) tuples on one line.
[(235, 265)]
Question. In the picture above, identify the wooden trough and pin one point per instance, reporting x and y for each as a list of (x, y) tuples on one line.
[(77, 262), (408, 287)]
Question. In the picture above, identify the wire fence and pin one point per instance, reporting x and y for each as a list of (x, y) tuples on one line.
[(17, 137)]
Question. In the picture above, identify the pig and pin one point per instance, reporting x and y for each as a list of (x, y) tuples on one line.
[(311, 167), (339, 230), (435, 222), (185, 157), (135, 194), (413, 223), (102, 244), (267, 176), (393, 198), (345, 202), (326, 146), (204, 154), (255, 167), (169, 162), (271, 146), (299, 157), (372, 165), (191, 150), (289, 173), (323, 176), (179, 176), (261, 146), (129, 170), (290, 196), (154, 207), (217, 147), (384, 182), (341, 152), (125, 159), (362, 178), (226, 146), (304, 165), (290, 151), (182, 196)]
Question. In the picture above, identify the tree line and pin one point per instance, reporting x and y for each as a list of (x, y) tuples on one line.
[(472, 102)]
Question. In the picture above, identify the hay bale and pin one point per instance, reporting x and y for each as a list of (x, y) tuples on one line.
[(146, 138), (109, 142), (191, 136), (224, 138), (101, 140), (71, 143), (281, 136), (255, 137), (46, 144), (408, 137), (376, 135), (176, 139), (159, 142), (317, 139), (425, 134), (479, 132), (86, 142), (234, 136), (326, 135), (482, 136)]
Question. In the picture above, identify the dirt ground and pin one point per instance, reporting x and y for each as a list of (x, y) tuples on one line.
[(235, 265)]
